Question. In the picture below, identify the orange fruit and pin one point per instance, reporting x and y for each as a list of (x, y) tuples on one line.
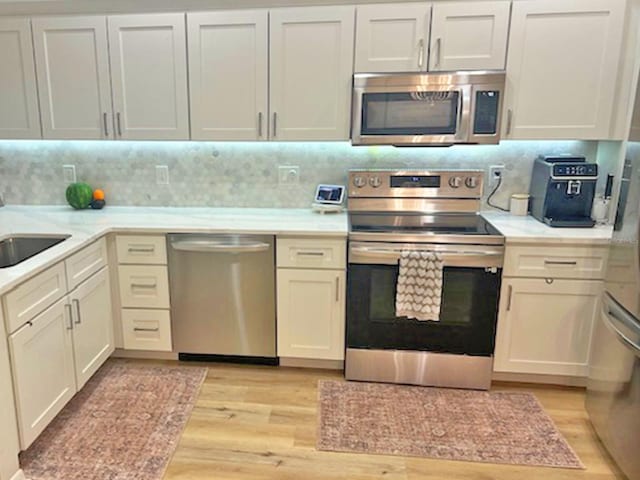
[(98, 194)]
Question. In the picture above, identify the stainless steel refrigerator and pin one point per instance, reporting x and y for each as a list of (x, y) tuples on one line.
[(613, 390)]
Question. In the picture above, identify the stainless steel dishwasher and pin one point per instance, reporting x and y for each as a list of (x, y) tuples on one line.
[(223, 297)]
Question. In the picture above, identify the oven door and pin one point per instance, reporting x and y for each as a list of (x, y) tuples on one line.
[(469, 308)]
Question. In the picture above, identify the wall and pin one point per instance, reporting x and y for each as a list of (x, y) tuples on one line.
[(242, 174)]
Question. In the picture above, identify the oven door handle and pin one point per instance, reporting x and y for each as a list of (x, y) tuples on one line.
[(390, 253)]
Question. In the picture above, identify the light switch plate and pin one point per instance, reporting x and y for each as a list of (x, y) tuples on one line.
[(162, 175), (288, 174), (69, 173)]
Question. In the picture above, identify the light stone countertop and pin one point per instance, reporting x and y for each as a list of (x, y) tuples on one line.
[(86, 226), (521, 230)]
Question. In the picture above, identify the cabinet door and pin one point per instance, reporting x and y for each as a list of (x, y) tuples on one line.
[(92, 325), (43, 375), (311, 70), (469, 35), (392, 37), (19, 114), (562, 68), (228, 82), (148, 56), (73, 77), (311, 314), (545, 328)]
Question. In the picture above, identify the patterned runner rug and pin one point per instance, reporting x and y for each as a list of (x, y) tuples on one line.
[(124, 424), (492, 427)]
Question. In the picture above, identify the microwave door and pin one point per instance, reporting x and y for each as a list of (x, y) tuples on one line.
[(411, 116)]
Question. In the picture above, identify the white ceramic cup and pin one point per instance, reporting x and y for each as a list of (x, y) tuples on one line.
[(519, 204)]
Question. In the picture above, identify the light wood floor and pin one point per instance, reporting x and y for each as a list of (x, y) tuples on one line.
[(258, 423)]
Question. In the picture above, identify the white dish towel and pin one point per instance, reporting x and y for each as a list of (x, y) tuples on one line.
[(419, 288)]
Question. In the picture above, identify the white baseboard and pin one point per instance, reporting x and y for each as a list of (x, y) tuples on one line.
[(309, 363), (144, 354), (562, 380)]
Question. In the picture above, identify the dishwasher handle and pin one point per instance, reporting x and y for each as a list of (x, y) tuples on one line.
[(218, 247)]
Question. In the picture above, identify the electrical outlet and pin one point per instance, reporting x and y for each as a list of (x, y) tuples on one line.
[(495, 172), (162, 175), (69, 173), (288, 174)]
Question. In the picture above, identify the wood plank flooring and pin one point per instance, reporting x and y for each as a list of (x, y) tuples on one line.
[(259, 423)]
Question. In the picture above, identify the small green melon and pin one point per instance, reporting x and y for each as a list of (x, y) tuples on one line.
[(79, 195)]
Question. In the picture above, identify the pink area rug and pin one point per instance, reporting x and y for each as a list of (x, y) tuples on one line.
[(124, 424), (491, 427)]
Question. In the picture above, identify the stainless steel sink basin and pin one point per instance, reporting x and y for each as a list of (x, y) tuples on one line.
[(18, 248)]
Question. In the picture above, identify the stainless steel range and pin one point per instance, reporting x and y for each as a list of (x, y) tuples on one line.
[(392, 211)]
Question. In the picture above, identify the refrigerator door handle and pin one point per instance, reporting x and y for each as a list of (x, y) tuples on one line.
[(613, 317)]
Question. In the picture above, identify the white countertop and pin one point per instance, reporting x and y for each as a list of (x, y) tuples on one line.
[(518, 229), (86, 226)]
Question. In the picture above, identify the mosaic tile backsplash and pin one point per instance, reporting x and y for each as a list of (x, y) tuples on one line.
[(241, 174)]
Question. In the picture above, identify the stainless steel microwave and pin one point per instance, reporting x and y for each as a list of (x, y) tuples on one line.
[(443, 108)]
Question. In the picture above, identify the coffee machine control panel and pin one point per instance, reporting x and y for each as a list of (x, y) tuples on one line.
[(575, 170)]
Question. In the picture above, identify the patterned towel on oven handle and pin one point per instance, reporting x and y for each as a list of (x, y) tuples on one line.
[(419, 288)]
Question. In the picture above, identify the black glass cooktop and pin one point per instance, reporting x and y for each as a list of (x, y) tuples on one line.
[(440, 224)]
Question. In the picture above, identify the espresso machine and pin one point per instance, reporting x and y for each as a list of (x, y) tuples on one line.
[(562, 191)]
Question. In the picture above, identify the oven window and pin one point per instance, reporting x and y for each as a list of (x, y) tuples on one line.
[(467, 318), (416, 113)]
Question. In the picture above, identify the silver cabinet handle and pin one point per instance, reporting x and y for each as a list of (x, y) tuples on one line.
[(275, 124), (420, 54), (144, 285), (337, 289), (310, 254), (509, 120), (558, 262), (438, 50), (138, 329), (104, 123), (509, 295), (76, 302), (141, 249), (119, 124), (259, 124), (67, 307)]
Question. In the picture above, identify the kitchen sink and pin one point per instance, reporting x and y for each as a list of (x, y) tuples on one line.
[(18, 248)]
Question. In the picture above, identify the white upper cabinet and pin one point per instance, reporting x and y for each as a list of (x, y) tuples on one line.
[(19, 114), (228, 79), (561, 68), (392, 37), (73, 77), (469, 35), (148, 56), (311, 72)]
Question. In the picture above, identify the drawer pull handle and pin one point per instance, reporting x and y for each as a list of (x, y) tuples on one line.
[(560, 262), (311, 254), (137, 329), (548, 281), (509, 295), (141, 250), (144, 285), (67, 307)]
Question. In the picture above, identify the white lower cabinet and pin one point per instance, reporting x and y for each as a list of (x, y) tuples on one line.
[(43, 369), (92, 325), (545, 325), (311, 313), (56, 352)]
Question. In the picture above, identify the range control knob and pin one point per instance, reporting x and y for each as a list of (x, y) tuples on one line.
[(359, 181), (455, 182), (375, 181), (471, 182)]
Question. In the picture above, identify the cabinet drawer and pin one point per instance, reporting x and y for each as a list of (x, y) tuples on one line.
[(147, 330), (144, 286), (141, 249), (586, 262), (85, 263), (33, 296), (311, 253)]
